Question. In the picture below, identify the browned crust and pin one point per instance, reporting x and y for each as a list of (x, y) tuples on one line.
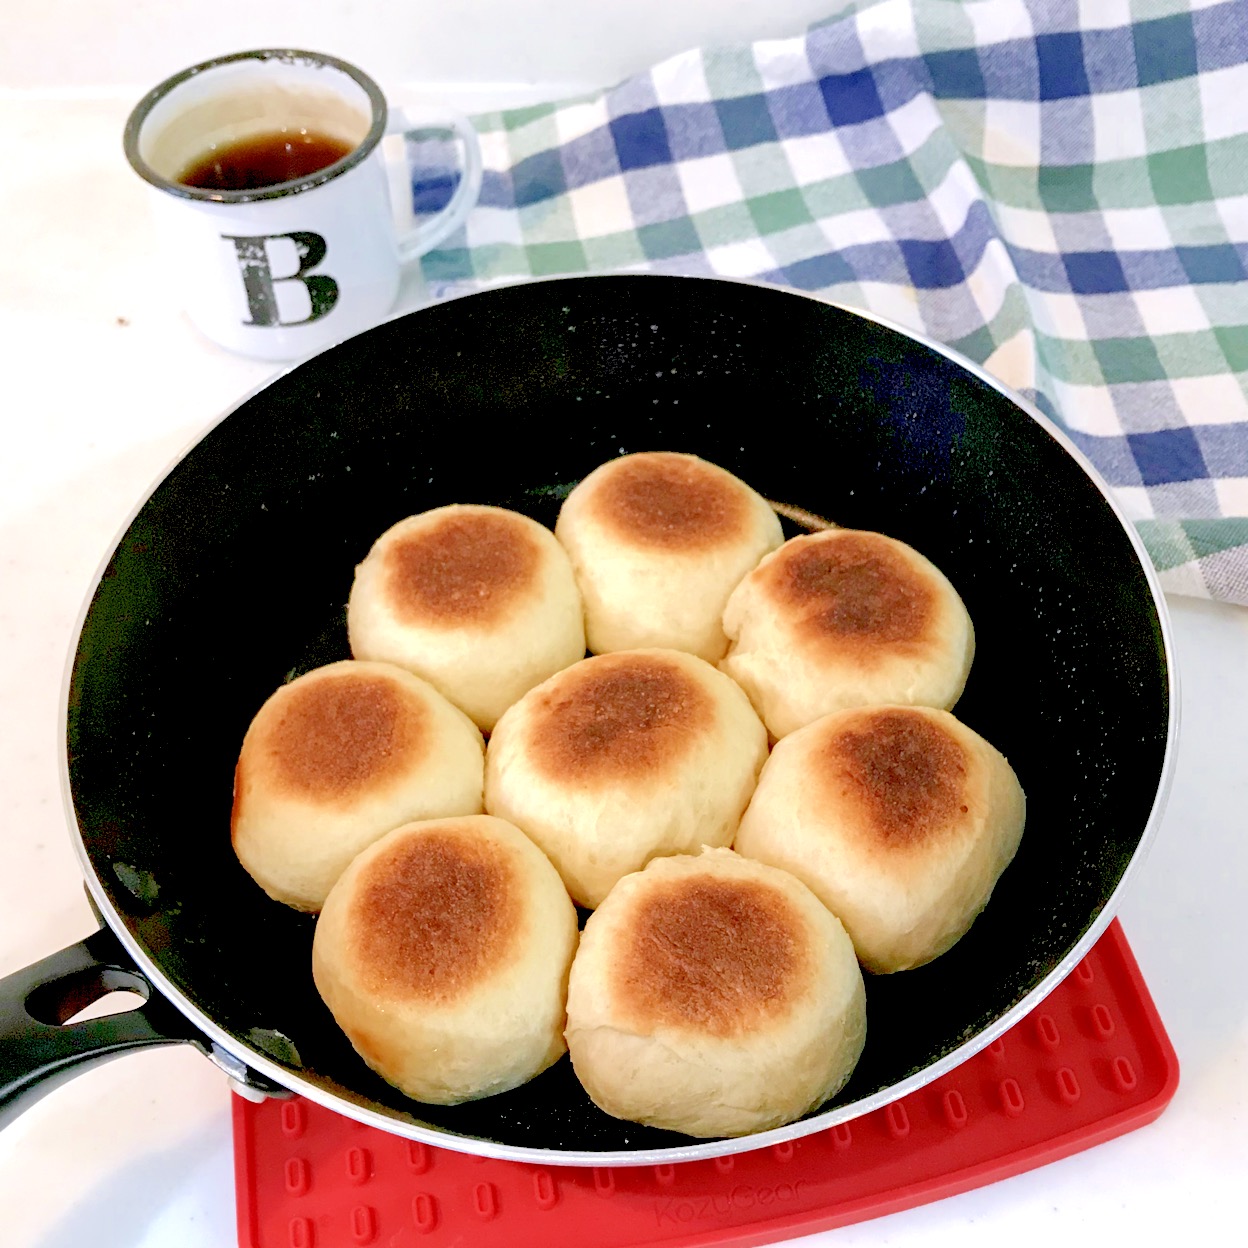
[(433, 915), (332, 738), (903, 775), (673, 503), (721, 956), (853, 593), (466, 567), (617, 717)]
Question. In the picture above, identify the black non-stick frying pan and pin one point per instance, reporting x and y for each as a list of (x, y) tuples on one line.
[(234, 576)]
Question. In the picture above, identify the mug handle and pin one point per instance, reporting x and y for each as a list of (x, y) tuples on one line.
[(414, 242)]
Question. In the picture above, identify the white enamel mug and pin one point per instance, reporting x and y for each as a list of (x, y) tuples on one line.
[(282, 270)]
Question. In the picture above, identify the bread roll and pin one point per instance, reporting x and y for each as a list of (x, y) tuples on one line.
[(715, 996), (622, 757), (336, 759), (479, 601), (845, 618), (658, 541), (900, 819), (443, 953)]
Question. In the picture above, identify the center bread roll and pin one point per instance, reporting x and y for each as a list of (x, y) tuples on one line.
[(479, 601), (658, 541), (443, 952), (845, 618), (714, 996), (900, 819), (622, 757)]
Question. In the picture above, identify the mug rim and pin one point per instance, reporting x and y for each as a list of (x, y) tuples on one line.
[(278, 190)]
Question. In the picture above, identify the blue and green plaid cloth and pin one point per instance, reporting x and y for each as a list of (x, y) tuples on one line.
[(1056, 188)]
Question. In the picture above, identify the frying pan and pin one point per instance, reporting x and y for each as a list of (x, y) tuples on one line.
[(234, 574)]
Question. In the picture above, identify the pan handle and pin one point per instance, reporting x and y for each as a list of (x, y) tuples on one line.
[(39, 1050)]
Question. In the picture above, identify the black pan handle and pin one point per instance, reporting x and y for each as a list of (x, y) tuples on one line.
[(39, 1050)]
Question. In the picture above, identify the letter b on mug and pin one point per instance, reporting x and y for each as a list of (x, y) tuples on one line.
[(274, 198), (260, 283)]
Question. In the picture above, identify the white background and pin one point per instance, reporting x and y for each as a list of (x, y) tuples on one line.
[(103, 384), (557, 44)]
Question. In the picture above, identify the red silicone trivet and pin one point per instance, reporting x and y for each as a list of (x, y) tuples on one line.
[(1091, 1062)]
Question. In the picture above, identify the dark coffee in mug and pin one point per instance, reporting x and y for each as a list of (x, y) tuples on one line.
[(266, 159)]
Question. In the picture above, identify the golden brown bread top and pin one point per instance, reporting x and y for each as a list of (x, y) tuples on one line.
[(851, 591), (670, 502), (618, 716), (331, 738), (718, 955), (900, 770), (433, 915), (464, 567)]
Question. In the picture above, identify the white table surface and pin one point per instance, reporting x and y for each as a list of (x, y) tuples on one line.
[(103, 386)]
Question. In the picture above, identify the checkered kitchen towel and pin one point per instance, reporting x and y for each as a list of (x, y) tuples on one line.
[(1056, 188)]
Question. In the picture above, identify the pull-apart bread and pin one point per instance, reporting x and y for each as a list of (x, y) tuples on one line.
[(900, 820), (443, 953), (337, 758), (659, 540), (622, 757), (479, 601), (715, 996), (845, 618)]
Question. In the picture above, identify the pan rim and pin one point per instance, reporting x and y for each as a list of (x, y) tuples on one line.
[(235, 1051)]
